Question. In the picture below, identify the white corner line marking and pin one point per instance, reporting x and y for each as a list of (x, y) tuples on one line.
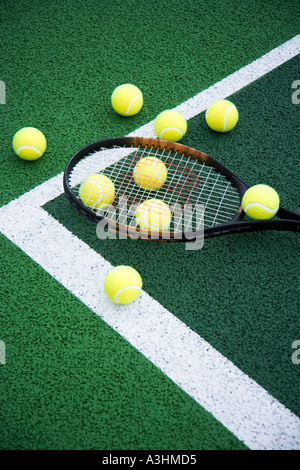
[(233, 398)]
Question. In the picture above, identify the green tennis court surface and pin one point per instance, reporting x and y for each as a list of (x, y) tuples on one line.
[(204, 359)]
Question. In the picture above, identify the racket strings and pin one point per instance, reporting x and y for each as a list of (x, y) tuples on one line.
[(193, 190)]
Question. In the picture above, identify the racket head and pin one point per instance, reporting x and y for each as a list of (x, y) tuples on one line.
[(196, 185)]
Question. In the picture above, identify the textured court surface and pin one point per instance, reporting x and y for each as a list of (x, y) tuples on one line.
[(204, 358)]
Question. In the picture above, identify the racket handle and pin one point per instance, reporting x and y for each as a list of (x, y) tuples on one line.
[(253, 226)]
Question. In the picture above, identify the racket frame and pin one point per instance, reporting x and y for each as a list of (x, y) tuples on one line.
[(288, 220)]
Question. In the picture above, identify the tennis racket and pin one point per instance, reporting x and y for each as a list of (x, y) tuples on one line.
[(203, 195)]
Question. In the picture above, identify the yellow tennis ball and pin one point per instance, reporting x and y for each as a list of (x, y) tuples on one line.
[(127, 99), (222, 116), (97, 191), (29, 143), (153, 214), (170, 125), (260, 202), (150, 173), (123, 284)]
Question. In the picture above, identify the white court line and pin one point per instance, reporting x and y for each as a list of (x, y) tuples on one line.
[(229, 85), (233, 398)]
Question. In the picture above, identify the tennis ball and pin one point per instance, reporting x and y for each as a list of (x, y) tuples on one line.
[(29, 143), (127, 99), (153, 214), (260, 202), (97, 191), (150, 173), (123, 284), (170, 125), (222, 116)]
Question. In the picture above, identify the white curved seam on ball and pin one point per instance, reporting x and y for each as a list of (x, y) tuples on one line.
[(114, 270), (226, 116), (261, 206), (145, 216), (155, 171), (170, 129), (148, 178), (122, 290), (28, 147), (116, 90), (131, 103), (96, 183)]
